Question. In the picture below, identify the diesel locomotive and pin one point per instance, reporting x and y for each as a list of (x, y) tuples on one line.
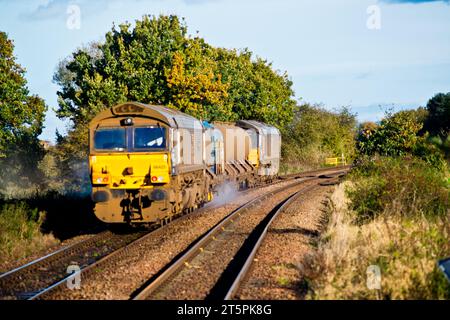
[(149, 163)]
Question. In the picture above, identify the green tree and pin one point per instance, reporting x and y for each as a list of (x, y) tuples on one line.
[(398, 134), (316, 133), (21, 121), (156, 62), (129, 65), (438, 120), (255, 91)]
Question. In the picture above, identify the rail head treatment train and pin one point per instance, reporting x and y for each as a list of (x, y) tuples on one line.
[(149, 163)]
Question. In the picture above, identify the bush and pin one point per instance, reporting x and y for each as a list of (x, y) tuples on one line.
[(401, 134), (20, 231), (406, 249), (427, 150), (403, 186), (396, 135), (42, 220), (316, 133)]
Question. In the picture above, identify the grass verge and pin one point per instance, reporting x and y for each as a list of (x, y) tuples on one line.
[(403, 229), (20, 232)]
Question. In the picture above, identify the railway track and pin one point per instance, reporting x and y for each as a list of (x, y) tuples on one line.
[(35, 280), (254, 244), (213, 267), (29, 280)]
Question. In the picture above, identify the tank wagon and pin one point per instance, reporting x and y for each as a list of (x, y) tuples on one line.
[(149, 163)]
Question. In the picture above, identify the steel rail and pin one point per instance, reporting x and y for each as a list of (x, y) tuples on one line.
[(100, 262), (176, 266), (34, 262), (248, 262), (81, 242), (32, 273), (52, 254), (107, 258), (78, 246), (234, 274)]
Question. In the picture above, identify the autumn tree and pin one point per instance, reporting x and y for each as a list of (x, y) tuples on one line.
[(156, 62), (21, 121), (195, 85)]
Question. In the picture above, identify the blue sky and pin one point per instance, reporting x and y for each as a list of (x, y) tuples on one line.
[(325, 45)]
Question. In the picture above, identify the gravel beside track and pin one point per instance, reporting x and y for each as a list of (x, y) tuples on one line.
[(200, 277), (276, 271)]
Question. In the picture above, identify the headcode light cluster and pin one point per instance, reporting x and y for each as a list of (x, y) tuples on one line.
[(157, 179), (102, 180)]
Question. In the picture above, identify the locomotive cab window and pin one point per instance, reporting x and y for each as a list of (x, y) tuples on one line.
[(113, 139), (149, 138)]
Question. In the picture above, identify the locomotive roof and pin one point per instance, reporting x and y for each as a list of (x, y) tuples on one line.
[(173, 118)]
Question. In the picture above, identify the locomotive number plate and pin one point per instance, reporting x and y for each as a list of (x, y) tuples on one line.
[(128, 108)]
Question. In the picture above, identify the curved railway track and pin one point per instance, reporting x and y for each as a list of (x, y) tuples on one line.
[(47, 274), (257, 237), (213, 267), (29, 280)]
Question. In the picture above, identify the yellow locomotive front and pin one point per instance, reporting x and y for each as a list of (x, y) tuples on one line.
[(138, 166), (130, 166)]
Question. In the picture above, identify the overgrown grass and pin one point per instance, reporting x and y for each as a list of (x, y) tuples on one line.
[(295, 167), (20, 233), (400, 223), (43, 220), (403, 186)]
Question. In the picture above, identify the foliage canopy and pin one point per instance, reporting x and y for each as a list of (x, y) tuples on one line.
[(156, 62), (21, 120), (316, 133), (438, 120)]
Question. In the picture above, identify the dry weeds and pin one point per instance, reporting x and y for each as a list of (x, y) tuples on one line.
[(405, 249)]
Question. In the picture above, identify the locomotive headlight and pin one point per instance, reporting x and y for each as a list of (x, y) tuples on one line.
[(157, 179), (102, 180), (126, 122)]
